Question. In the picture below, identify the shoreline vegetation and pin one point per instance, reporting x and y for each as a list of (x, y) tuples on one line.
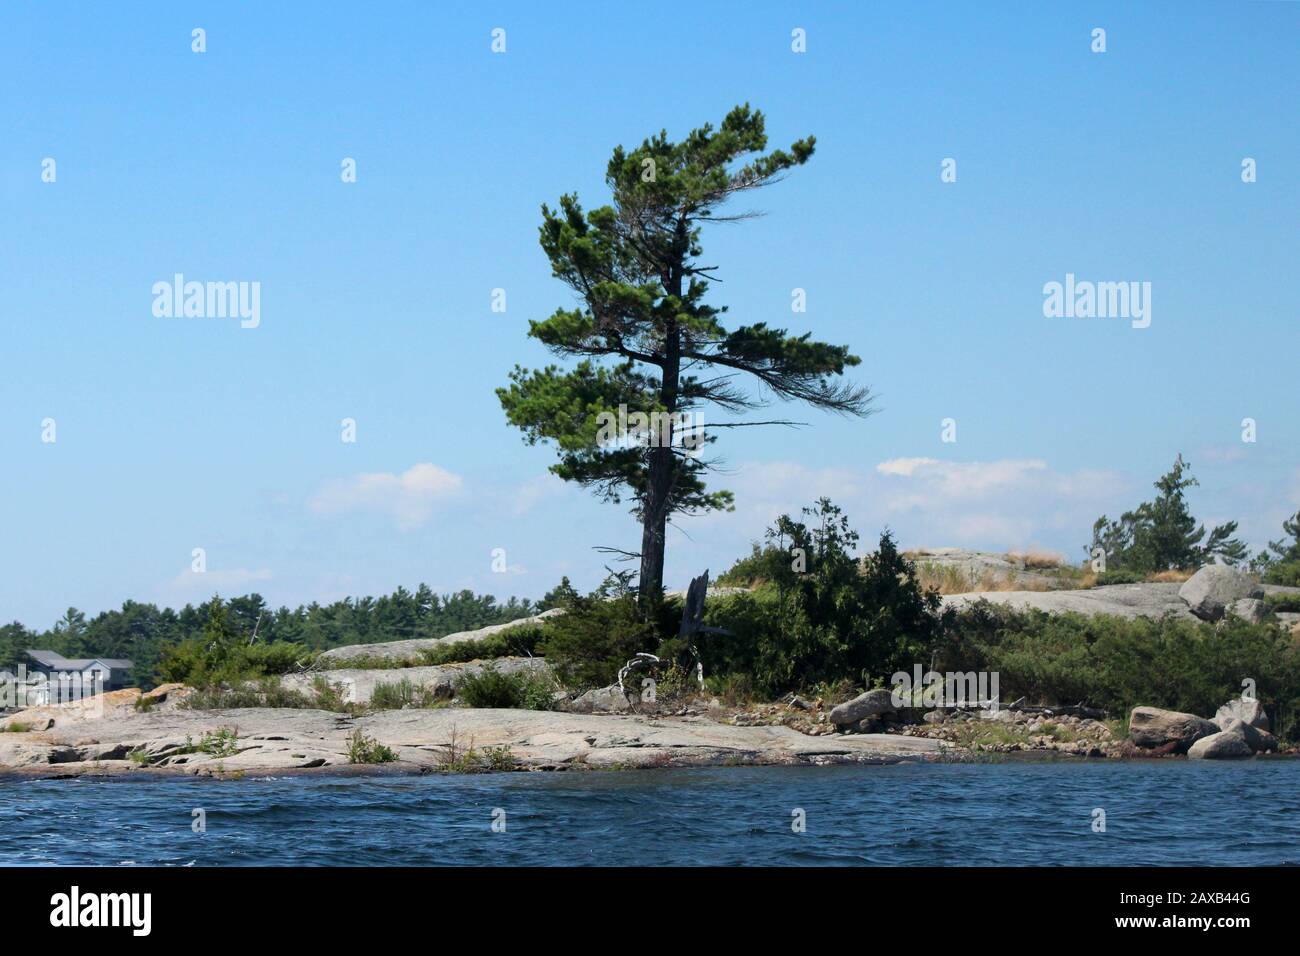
[(1160, 645)]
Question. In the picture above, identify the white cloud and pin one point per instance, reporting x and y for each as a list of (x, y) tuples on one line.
[(964, 479), (1010, 503), (408, 498)]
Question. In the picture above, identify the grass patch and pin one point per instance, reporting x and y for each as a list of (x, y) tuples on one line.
[(1036, 560), (18, 727), (402, 694), (267, 692)]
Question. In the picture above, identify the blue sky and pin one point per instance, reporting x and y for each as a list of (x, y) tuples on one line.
[(174, 434)]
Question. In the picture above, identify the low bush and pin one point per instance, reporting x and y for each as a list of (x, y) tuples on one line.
[(521, 641), (1117, 663), (266, 692), (825, 614), (491, 688), (363, 749), (402, 694), (595, 637), (1283, 572), (1282, 602)]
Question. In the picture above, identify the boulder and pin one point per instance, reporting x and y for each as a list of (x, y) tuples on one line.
[(1236, 739), (1247, 711), (1249, 609), (1260, 741), (1210, 591), (1153, 727), (603, 700), (871, 704), (1226, 743)]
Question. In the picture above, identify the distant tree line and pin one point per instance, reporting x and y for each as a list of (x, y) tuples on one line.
[(141, 632)]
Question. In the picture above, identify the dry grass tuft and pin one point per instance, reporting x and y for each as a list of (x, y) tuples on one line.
[(1170, 577), (949, 579), (1036, 560)]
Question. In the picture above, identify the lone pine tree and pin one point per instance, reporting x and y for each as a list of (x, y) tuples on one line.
[(647, 339)]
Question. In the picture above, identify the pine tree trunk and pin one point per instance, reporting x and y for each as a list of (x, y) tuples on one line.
[(654, 523), (663, 463)]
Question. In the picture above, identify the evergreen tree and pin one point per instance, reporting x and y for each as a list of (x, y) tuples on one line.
[(1162, 535), (647, 339)]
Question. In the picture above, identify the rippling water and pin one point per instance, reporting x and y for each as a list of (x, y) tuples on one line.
[(1157, 812)]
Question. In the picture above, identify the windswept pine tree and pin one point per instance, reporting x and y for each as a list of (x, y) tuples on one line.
[(648, 341), (1162, 535)]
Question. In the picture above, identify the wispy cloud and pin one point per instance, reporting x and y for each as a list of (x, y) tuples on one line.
[(408, 498), (997, 504)]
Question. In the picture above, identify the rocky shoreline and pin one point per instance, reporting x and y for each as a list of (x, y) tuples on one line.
[(169, 740), (264, 740), (126, 733)]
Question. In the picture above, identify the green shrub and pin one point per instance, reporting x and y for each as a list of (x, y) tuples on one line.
[(1283, 572), (363, 749), (393, 696), (401, 694), (1118, 663), (595, 637), (199, 664), (220, 656), (826, 615), (521, 641), (1282, 602), (762, 565), (491, 688), (267, 692), (499, 758)]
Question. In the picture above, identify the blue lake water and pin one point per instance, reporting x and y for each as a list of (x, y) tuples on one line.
[(1156, 813)]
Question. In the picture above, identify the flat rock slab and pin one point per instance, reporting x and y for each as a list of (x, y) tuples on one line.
[(404, 650), (271, 740), (441, 680), (1122, 600)]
